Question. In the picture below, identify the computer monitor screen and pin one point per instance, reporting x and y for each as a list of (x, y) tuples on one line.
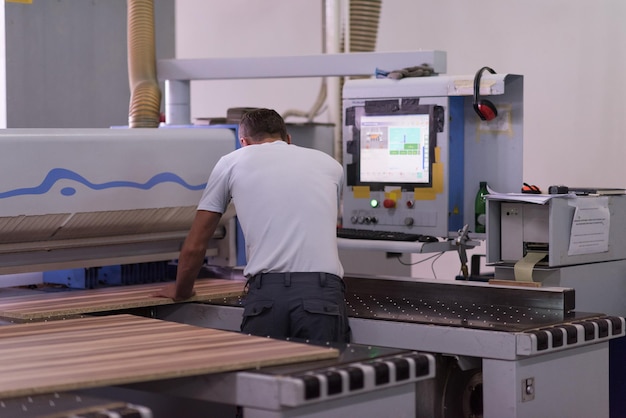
[(395, 150)]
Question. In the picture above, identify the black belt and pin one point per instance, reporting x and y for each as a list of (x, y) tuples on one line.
[(292, 277)]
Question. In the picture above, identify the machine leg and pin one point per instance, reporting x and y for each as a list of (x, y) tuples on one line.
[(568, 383)]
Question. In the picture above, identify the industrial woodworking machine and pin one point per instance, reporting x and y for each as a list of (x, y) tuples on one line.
[(93, 198), (96, 197), (500, 350)]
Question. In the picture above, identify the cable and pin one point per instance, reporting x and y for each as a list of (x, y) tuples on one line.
[(433, 257), (318, 106)]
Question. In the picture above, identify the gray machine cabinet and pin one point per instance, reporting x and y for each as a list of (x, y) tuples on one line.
[(513, 225)]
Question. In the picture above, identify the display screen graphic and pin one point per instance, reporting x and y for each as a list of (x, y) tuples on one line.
[(395, 149)]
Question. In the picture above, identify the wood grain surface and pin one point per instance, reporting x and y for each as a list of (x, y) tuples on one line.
[(56, 356), (50, 305)]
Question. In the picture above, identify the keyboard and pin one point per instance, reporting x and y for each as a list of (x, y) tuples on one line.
[(352, 233)]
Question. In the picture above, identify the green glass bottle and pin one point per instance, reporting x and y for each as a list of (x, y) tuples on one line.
[(480, 209)]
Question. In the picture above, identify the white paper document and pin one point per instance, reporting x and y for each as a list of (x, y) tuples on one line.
[(590, 226), (540, 199)]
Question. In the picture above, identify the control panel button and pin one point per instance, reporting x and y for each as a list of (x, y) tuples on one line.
[(389, 203)]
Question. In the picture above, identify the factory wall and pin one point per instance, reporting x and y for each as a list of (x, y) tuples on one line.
[(572, 54), (66, 61), (65, 66)]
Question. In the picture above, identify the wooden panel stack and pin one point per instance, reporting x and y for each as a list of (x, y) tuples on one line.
[(57, 356), (51, 305)]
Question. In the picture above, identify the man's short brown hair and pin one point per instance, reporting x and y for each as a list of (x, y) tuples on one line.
[(259, 124)]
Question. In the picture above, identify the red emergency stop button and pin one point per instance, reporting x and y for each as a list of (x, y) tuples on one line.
[(389, 203)]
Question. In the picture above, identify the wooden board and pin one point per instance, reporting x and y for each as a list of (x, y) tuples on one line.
[(56, 356), (518, 283), (50, 305)]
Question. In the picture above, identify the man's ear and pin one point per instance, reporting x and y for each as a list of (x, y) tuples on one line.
[(288, 139), (243, 142)]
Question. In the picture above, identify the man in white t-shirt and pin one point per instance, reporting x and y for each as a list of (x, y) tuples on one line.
[(287, 199)]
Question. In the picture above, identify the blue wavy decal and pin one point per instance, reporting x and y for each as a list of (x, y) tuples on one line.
[(57, 174)]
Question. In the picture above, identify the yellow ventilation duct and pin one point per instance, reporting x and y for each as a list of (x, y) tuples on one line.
[(364, 22), (145, 94)]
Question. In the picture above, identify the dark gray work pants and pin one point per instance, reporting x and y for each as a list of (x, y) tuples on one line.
[(309, 306)]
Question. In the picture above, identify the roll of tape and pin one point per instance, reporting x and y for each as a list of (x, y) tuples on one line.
[(524, 268)]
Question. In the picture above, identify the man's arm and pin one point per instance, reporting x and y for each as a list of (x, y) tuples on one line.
[(192, 256)]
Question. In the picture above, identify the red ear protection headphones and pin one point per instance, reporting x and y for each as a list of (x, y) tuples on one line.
[(484, 108)]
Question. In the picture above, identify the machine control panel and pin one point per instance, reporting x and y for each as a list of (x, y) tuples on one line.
[(397, 213), (394, 165)]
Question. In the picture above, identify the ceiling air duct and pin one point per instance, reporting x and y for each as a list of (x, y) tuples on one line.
[(145, 94)]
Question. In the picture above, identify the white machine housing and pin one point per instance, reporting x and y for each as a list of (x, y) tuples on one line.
[(93, 197), (516, 227), (468, 150)]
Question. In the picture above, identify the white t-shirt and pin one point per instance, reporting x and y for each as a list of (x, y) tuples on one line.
[(287, 199)]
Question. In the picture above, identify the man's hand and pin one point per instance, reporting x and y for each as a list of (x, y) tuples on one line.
[(170, 291), (191, 256)]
